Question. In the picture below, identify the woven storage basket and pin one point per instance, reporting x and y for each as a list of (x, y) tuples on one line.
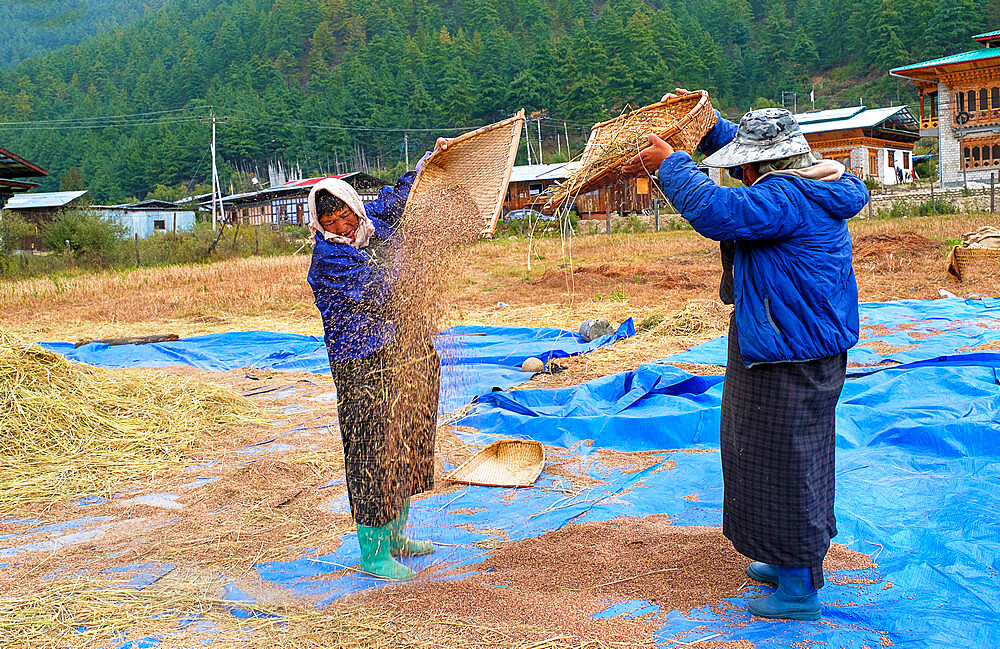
[(507, 463), (964, 260), (480, 162), (682, 121)]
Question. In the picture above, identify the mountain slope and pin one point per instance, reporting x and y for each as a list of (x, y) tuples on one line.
[(322, 81)]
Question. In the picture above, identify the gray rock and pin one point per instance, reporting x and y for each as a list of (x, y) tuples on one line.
[(593, 329)]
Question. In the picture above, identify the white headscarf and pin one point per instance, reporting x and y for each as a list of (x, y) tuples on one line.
[(346, 193)]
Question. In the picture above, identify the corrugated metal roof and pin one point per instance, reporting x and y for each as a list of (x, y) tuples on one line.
[(858, 117), (556, 171), (12, 166), (964, 57), (987, 36), (43, 200), (828, 115)]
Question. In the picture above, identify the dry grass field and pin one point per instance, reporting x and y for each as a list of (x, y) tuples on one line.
[(666, 281)]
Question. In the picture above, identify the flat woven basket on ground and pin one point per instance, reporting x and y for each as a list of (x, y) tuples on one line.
[(507, 463), (681, 121), (966, 261), (479, 163)]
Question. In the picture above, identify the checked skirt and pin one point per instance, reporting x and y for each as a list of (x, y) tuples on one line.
[(777, 439), (387, 408)]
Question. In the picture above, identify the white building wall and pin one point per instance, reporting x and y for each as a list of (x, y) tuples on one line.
[(143, 222)]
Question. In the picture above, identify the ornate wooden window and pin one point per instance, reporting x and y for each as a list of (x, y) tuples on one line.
[(873, 162), (983, 103), (971, 101), (959, 102), (995, 98), (982, 153)]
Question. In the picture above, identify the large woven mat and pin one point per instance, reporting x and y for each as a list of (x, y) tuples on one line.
[(476, 166)]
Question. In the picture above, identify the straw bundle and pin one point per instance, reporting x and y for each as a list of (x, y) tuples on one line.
[(68, 430), (681, 121)]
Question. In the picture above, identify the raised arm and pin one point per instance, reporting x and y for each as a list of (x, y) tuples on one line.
[(391, 201), (758, 213)]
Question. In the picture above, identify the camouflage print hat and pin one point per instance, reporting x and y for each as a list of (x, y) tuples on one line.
[(763, 135)]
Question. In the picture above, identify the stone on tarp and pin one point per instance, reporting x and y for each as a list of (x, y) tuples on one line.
[(532, 365), (592, 329)]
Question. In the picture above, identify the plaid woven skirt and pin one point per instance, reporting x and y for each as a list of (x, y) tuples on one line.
[(778, 439), (387, 409)]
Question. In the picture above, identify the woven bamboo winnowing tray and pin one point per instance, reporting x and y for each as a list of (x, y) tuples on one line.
[(480, 162), (682, 121), (962, 260), (507, 463)]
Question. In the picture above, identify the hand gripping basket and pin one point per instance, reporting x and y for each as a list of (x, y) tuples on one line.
[(478, 164), (507, 463), (682, 121)]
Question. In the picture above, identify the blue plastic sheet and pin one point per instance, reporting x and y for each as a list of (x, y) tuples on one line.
[(918, 487), (932, 327), (476, 359)]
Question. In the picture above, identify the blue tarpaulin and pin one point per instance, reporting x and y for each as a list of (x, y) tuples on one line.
[(922, 329), (475, 359)]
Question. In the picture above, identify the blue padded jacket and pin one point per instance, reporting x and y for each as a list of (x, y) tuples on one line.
[(795, 292), (351, 286)]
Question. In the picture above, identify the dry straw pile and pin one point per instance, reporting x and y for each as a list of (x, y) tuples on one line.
[(69, 430)]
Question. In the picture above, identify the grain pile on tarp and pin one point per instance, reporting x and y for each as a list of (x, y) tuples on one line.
[(68, 430)]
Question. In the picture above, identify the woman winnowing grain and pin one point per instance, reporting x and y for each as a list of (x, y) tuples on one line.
[(384, 365), (788, 252)]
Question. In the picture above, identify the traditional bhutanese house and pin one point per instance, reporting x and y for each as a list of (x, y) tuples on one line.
[(13, 167), (870, 142), (960, 105), (288, 204), (147, 217), (529, 185)]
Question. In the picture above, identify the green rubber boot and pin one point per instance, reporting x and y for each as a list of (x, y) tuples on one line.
[(375, 557), (401, 546)]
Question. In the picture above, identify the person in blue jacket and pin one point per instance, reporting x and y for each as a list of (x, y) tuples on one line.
[(787, 269), (384, 365)]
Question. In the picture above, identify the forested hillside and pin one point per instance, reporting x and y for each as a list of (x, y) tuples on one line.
[(315, 81), (36, 26)]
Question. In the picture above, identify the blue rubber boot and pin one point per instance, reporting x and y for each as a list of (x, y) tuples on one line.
[(795, 599), (401, 546), (764, 572), (375, 557)]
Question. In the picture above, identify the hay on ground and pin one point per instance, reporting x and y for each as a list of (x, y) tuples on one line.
[(69, 430)]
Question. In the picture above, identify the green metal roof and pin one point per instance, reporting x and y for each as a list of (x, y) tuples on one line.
[(964, 57), (986, 36)]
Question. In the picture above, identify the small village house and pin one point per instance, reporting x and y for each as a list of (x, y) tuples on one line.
[(148, 217), (13, 168), (529, 185), (960, 105), (288, 204), (870, 142), (41, 208)]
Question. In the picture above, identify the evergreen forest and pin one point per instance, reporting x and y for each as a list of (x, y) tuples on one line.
[(113, 95)]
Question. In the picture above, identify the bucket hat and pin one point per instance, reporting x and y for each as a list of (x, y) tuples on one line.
[(763, 135)]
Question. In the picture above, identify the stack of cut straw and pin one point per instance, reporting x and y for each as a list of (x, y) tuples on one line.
[(68, 430)]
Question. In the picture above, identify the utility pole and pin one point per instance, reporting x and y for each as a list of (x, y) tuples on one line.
[(569, 152), (216, 185), (539, 122), (527, 143), (406, 148)]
